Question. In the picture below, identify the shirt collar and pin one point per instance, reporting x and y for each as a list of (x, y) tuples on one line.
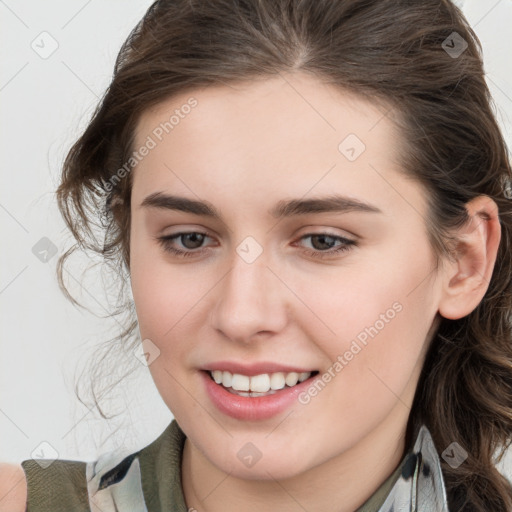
[(420, 486)]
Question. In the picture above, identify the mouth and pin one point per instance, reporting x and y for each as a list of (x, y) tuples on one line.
[(264, 384)]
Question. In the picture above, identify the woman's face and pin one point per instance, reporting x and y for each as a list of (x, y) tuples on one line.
[(279, 163)]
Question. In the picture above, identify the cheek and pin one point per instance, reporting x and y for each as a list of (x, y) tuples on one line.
[(164, 298), (170, 306), (378, 316), (162, 293)]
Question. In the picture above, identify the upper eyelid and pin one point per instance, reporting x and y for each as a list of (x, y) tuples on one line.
[(208, 232)]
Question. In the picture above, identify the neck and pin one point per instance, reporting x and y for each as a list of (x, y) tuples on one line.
[(340, 484)]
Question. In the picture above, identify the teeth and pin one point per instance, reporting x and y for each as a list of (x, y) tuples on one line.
[(303, 376), (258, 383), (277, 381), (226, 379), (240, 382), (291, 379)]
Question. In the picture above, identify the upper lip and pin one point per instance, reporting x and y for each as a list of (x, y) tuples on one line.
[(254, 368)]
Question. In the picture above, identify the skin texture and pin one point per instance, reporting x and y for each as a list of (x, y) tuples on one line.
[(13, 488), (244, 148)]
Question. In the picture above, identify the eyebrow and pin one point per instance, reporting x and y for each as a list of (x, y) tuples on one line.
[(284, 208)]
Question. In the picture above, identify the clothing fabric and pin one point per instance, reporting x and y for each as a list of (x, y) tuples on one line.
[(149, 480)]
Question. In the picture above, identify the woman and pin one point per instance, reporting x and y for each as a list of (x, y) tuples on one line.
[(311, 200)]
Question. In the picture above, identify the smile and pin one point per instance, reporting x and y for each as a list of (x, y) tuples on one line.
[(258, 385)]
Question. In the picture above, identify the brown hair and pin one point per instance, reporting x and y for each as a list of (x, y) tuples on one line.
[(391, 51)]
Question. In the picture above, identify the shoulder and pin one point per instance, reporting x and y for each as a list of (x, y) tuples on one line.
[(57, 485), (64, 485), (148, 479), (111, 482), (13, 488)]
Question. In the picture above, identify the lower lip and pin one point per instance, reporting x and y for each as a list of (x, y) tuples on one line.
[(253, 408)]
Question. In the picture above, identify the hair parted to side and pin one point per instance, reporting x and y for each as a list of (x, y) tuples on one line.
[(390, 51)]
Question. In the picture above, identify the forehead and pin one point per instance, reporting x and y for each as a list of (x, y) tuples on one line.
[(291, 132), (299, 103)]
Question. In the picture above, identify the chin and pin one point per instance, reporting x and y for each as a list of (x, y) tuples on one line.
[(280, 467)]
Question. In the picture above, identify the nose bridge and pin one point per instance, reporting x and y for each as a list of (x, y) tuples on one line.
[(249, 298)]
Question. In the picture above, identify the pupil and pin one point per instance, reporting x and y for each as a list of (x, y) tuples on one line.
[(322, 239), (195, 237)]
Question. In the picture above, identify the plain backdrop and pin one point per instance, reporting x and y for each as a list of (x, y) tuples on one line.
[(46, 100)]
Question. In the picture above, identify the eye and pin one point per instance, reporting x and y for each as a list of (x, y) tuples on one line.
[(190, 241), (325, 242)]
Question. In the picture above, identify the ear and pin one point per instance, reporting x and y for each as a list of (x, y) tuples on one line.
[(467, 278)]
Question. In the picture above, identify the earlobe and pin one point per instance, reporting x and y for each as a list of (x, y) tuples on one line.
[(467, 278)]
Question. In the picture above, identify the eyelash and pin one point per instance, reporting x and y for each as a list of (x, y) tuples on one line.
[(165, 242)]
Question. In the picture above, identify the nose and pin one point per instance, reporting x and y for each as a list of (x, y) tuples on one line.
[(250, 300)]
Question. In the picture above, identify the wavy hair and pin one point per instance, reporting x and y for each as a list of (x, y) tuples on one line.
[(394, 52)]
